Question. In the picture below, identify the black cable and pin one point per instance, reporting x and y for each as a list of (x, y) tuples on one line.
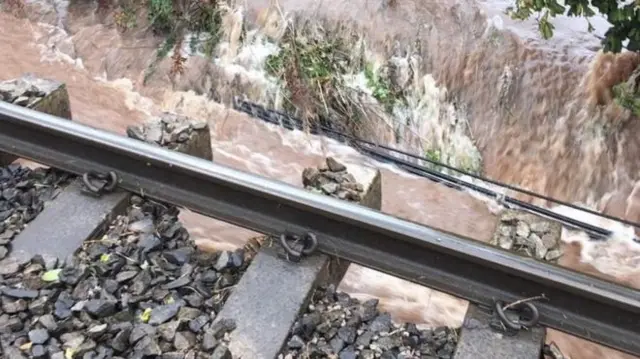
[(595, 232), (288, 122), (504, 185)]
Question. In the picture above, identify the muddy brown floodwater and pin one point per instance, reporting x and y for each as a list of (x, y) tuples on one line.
[(534, 137)]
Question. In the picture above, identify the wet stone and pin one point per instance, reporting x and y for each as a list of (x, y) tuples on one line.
[(38, 336), (141, 290), (19, 293), (529, 235), (164, 313), (221, 352), (333, 326)]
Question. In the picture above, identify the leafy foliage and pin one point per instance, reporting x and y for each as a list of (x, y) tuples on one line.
[(383, 90), (172, 19), (627, 94), (623, 15)]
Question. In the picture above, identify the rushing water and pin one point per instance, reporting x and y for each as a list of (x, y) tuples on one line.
[(539, 114)]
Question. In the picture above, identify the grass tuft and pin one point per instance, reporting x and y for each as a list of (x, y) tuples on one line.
[(172, 20), (312, 67), (627, 94)]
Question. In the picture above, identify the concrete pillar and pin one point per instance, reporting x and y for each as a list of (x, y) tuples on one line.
[(176, 132), (44, 95)]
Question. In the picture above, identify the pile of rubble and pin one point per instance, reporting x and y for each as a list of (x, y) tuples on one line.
[(333, 179), (25, 91), (529, 235), (176, 132)]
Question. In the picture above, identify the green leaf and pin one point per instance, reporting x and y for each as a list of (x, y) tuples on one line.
[(613, 44), (52, 275), (625, 17), (556, 9), (146, 315), (546, 28)]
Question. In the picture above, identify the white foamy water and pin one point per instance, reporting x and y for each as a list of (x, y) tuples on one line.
[(618, 256), (570, 32)]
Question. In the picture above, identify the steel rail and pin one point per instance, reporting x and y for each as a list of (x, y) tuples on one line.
[(578, 304)]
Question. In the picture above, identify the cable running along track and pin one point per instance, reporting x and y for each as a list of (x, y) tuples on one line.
[(578, 304), (389, 155)]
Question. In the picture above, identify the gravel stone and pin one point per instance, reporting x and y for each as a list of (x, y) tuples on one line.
[(38, 336), (142, 290), (338, 326), (221, 352), (163, 313)]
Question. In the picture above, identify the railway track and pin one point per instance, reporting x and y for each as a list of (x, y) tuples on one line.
[(110, 246)]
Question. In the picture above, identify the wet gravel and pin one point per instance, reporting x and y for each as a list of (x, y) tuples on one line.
[(338, 326), (143, 290), (23, 195)]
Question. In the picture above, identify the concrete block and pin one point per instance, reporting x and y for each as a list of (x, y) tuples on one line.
[(479, 341), (176, 132), (44, 95), (529, 234), (273, 292), (67, 222)]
